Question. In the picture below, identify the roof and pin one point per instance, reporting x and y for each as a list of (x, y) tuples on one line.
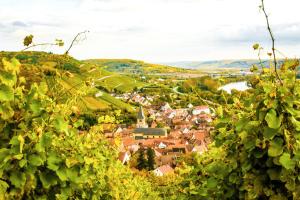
[(151, 131), (122, 156), (127, 141), (165, 169), (141, 113)]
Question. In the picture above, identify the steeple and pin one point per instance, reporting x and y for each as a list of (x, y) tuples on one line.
[(141, 113), (141, 119)]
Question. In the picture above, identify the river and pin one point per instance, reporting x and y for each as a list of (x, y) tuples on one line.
[(241, 86)]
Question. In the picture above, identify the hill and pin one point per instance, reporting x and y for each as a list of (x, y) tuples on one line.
[(68, 76), (136, 67), (221, 64)]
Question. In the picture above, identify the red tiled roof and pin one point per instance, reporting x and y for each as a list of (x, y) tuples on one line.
[(122, 156), (128, 141)]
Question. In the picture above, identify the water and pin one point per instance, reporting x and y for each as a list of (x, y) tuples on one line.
[(241, 86)]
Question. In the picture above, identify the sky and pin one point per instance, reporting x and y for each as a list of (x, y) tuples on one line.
[(153, 30)]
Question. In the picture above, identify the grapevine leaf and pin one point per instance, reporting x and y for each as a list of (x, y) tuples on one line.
[(6, 93), (275, 148), (286, 161), (60, 124), (296, 123), (274, 174), (53, 162), (212, 183), (18, 179), (269, 133), (62, 174), (255, 46), (8, 79), (48, 179), (35, 160), (272, 119)]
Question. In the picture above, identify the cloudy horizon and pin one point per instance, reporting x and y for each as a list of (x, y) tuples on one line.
[(153, 30)]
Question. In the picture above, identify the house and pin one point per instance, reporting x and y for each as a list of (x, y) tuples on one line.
[(162, 145), (147, 133), (166, 107), (200, 148), (130, 144), (124, 157), (163, 170), (201, 109)]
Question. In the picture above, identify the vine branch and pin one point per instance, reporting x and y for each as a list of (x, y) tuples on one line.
[(36, 45), (75, 39), (272, 38)]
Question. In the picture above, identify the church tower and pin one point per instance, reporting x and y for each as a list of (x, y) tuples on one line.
[(141, 119)]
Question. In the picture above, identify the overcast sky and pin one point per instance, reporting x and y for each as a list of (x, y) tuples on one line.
[(153, 30)]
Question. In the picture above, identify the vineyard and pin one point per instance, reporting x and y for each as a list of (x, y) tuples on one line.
[(62, 120)]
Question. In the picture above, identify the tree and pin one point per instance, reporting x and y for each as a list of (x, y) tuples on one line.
[(141, 161), (150, 159)]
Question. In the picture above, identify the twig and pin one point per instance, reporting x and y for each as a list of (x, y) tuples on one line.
[(273, 40), (42, 44), (74, 40)]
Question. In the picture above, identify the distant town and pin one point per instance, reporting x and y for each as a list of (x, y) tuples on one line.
[(171, 133)]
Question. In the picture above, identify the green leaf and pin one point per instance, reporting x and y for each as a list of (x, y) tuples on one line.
[(3, 187), (22, 163), (275, 148), (6, 93), (6, 112), (296, 123), (60, 124), (241, 124), (18, 179), (269, 133), (8, 79), (62, 174), (274, 174), (212, 183), (12, 66), (53, 161), (286, 161), (48, 179), (35, 160), (255, 46), (35, 107), (273, 121)]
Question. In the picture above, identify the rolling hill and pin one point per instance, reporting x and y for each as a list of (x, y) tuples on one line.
[(218, 64), (68, 76), (135, 66)]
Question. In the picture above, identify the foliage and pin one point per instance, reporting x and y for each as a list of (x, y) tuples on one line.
[(150, 159), (141, 160), (28, 40), (256, 150), (43, 156)]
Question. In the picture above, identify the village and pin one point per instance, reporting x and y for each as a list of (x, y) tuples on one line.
[(171, 133)]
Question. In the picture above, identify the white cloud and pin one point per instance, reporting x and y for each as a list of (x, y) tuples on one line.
[(152, 30)]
